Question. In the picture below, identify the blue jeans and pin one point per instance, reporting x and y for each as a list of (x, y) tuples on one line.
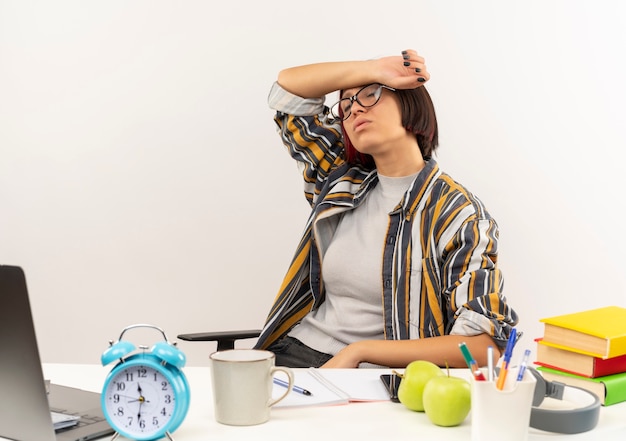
[(291, 352)]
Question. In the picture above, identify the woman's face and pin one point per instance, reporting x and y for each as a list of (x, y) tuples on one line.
[(374, 130)]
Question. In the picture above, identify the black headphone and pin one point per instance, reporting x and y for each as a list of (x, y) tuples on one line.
[(577, 420)]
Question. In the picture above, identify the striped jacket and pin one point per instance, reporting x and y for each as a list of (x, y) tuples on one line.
[(439, 267)]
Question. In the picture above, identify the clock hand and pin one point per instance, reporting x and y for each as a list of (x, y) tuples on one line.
[(141, 397), (141, 400), (128, 398)]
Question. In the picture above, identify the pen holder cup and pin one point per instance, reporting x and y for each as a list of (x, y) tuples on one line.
[(502, 414)]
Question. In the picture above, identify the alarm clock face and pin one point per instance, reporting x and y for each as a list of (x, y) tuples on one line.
[(139, 401)]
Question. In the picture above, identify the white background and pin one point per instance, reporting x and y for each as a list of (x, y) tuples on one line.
[(142, 181)]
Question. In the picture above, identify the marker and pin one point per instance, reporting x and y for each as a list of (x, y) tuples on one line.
[(298, 389), (490, 363), (507, 359), (522, 367), (471, 363)]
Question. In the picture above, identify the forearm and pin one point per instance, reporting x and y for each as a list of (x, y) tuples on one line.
[(399, 353), (406, 71), (317, 80)]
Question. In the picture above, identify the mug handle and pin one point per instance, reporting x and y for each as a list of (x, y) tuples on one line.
[(289, 374)]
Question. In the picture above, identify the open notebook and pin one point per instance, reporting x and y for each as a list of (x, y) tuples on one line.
[(334, 386)]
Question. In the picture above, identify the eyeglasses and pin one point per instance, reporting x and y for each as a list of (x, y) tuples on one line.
[(368, 96)]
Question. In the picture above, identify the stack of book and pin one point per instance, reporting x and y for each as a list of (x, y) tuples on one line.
[(586, 349)]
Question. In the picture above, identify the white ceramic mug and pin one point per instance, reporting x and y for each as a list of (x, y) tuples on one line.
[(242, 385)]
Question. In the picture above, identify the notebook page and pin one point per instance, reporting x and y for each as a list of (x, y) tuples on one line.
[(334, 386), (358, 384), (321, 393)]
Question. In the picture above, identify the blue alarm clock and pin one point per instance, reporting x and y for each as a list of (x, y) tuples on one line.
[(146, 395)]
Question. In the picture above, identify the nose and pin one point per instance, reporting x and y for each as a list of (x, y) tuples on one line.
[(356, 106)]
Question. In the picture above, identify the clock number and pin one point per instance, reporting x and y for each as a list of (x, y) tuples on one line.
[(120, 411), (116, 398), (164, 385), (163, 412), (142, 424), (167, 398), (142, 373), (155, 421), (121, 386)]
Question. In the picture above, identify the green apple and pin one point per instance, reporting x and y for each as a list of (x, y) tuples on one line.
[(416, 375), (447, 400)]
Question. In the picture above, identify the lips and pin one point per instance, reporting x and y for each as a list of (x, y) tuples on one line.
[(359, 123)]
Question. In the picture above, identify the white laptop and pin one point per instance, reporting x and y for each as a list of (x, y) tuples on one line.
[(27, 403)]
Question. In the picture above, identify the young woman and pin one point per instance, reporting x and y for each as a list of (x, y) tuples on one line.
[(398, 261)]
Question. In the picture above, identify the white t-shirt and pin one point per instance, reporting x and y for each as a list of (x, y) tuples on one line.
[(351, 269)]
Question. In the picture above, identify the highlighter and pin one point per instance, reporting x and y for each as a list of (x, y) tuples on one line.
[(471, 362)]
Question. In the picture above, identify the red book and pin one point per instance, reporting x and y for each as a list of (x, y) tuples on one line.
[(578, 363)]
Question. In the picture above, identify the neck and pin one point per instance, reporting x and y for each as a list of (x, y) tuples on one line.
[(399, 162)]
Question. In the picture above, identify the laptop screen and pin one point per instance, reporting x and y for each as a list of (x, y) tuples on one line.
[(24, 409), (25, 405)]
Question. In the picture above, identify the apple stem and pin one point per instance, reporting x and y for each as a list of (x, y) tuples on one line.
[(447, 368), (397, 373)]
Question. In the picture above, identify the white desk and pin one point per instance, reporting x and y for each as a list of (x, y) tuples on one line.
[(356, 421)]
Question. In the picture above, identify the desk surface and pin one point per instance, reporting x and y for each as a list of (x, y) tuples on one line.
[(362, 421)]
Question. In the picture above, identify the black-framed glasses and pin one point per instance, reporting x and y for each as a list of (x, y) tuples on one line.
[(368, 96)]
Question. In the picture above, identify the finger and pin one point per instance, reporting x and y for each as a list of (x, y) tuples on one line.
[(412, 55), (413, 58), (418, 69), (418, 63)]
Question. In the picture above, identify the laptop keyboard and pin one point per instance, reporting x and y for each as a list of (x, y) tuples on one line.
[(83, 420)]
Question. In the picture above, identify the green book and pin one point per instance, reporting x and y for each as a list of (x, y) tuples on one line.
[(610, 389)]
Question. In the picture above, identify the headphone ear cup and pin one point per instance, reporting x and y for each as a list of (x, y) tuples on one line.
[(540, 387)]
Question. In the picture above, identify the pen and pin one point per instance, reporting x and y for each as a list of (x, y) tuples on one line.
[(298, 389), (507, 359), (490, 363), (471, 363), (522, 367)]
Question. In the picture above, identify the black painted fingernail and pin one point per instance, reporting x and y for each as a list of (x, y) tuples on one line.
[(418, 70), (421, 80), (406, 57), (406, 63), (404, 52)]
